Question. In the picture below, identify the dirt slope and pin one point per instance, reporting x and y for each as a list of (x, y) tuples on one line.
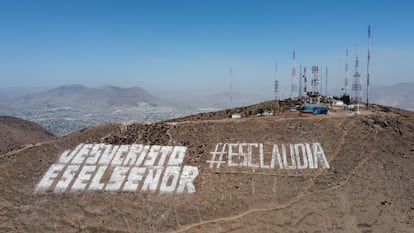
[(16, 132), (368, 187)]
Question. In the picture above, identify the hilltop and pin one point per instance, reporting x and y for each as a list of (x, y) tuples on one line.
[(342, 172), (16, 132)]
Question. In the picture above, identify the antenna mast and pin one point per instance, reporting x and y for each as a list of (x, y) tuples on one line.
[(356, 86), (369, 58), (346, 72), (300, 82), (231, 86), (315, 80), (321, 82), (294, 86), (326, 82), (314, 94), (305, 80), (276, 87)]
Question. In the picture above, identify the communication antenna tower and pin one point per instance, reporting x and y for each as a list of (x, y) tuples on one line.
[(231, 86), (321, 81), (276, 86), (294, 86), (315, 79), (300, 82), (346, 72), (305, 81), (326, 81), (356, 86), (369, 58)]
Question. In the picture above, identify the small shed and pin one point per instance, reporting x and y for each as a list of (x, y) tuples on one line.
[(338, 103), (236, 116)]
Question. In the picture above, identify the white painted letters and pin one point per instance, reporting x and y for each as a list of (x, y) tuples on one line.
[(297, 156), (96, 181), (152, 179), (83, 178), (170, 179), (128, 168), (136, 175), (177, 156), (66, 178), (49, 177), (187, 179)]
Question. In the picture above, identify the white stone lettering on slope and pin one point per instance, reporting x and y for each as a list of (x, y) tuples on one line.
[(170, 179), (50, 177), (152, 179), (66, 178), (298, 156), (84, 177), (96, 181), (136, 174), (67, 156), (113, 168), (187, 179)]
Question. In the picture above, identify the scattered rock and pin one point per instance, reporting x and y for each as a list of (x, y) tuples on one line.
[(386, 203)]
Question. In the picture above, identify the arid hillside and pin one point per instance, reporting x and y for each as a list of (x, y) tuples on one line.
[(342, 172), (16, 132)]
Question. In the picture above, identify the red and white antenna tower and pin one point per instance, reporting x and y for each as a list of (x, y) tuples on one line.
[(356, 86), (315, 80)]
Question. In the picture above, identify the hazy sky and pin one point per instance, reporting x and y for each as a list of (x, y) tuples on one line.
[(178, 45)]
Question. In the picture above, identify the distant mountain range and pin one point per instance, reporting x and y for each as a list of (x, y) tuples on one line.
[(226, 100), (399, 95), (16, 132), (4, 108), (75, 95)]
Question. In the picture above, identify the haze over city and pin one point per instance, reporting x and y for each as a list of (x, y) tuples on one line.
[(189, 46)]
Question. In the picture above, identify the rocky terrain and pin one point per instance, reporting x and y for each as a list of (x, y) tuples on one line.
[(241, 179)]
